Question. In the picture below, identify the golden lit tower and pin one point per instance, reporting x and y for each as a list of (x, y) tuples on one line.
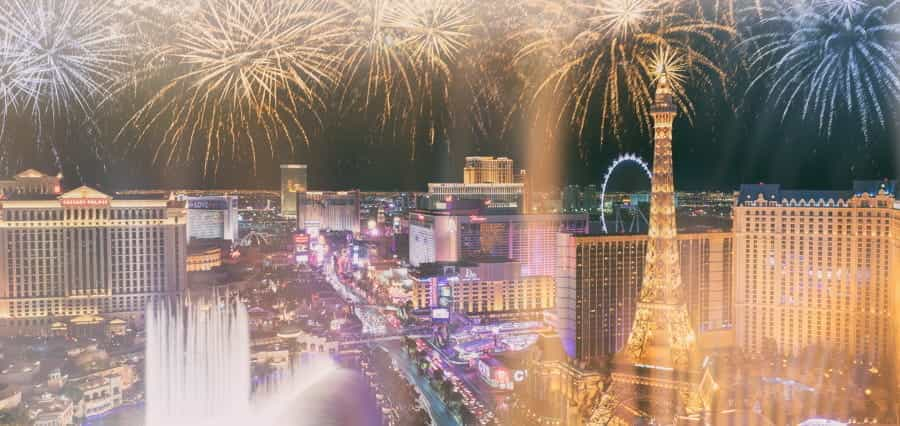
[(662, 333)]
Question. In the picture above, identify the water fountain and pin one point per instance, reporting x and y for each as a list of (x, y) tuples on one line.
[(197, 361), (198, 368)]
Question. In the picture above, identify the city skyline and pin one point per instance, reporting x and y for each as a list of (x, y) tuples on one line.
[(449, 212)]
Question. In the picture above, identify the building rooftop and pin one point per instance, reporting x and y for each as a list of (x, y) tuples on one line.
[(435, 269), (774, 192), (26, 196)]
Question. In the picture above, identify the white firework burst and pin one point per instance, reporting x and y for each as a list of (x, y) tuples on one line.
[(64, 50), (821, 58)]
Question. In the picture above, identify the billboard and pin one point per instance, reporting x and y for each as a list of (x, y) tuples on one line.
[(440, 314), (207, 204), (301, 242), (445, 295)]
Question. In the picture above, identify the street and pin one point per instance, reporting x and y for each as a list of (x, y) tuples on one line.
[(440, 414)]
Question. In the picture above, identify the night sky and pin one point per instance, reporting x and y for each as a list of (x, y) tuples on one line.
[(722, 149), (735, 137)]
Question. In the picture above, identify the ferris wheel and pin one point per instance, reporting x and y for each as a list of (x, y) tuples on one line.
[(632, 210)]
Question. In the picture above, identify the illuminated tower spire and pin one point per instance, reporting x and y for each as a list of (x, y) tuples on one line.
[(662, 334)]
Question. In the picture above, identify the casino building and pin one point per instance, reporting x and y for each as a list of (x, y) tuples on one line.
[(212, 217), (818, 269), (462, 233), (481, 169), (30, 182), (293, 180), (85, 253), (486, 287), (328, 210)]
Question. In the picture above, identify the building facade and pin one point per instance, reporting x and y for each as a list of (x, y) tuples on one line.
[(492, 195), (453, 235), (482, 288), (331, 210), (212, 217), (293, 180), (85, 253), (488, 170), (817, 268), (50, 410), (598, 282), (31, 182), (576, 199), (204, 259)]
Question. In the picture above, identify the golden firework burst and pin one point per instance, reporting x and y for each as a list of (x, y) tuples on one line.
[(244, 72)]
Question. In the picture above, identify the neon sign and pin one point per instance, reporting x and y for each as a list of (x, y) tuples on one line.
[(84, 202)]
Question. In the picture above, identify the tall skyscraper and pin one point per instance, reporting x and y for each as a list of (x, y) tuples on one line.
[(488, 170), (293, 180), (817, 268), (85, 253), (599, 280), (527, 191)]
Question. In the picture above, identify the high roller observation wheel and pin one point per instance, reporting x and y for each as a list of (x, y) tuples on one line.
[(624, 158)]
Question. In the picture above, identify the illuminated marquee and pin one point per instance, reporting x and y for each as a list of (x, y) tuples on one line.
[(84, 202), (207, 204)]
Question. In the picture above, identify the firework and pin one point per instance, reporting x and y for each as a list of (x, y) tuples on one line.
[(405, 52), (244, 71), (606, 52), (820, 58), (63, 51), (434, 31), (494, 82), (13, 86), (433, 34), (374, 53)]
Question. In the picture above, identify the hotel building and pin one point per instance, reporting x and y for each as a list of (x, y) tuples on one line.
[(598, 281), (488, 181), (459, 234), (488, 170), (30, 182), (212, 217), (817, 268), (293, 180), (85, 253), (491, 287), (328, 210), (492, 195)]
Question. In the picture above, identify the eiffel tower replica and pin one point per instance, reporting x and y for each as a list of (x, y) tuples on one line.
[(658, 374)]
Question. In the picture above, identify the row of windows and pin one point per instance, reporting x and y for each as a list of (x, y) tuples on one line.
[(20, 215)]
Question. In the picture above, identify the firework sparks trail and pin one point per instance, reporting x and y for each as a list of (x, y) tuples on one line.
[(374, 54), (824, 57), (244, 65)]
